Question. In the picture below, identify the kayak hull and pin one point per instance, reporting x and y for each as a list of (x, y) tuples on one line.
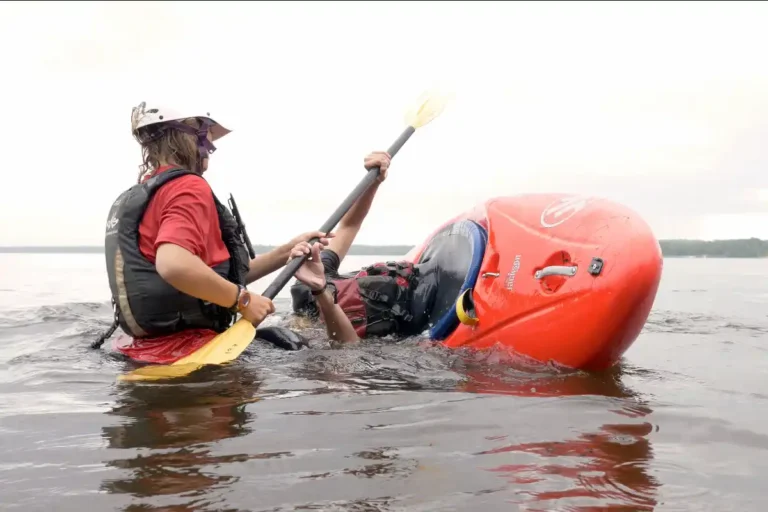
[(564, 279)]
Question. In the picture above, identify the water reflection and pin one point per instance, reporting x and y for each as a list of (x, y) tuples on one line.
[(180, 423), (605, 465), (591, 452), (605, 470)]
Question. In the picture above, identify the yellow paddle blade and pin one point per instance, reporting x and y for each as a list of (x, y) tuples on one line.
[(429, 106), (158, 372), (225, 347)]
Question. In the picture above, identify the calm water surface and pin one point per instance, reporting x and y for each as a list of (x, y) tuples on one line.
[(679, 425)]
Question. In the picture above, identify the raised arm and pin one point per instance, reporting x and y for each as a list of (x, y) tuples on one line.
[(351, 223)]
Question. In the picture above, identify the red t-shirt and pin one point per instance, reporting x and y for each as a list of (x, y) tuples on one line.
[(183, 213)]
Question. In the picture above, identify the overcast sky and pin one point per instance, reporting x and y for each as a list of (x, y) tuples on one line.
[(661, 106)]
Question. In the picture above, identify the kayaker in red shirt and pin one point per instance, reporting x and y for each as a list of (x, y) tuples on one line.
[(176, 260)]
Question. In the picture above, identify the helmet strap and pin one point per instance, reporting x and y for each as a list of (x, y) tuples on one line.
[(204, 146)]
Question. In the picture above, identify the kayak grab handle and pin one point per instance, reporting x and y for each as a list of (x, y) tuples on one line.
[(556, 270)]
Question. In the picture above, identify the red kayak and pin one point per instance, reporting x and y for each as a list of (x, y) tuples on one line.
[(558, 278)]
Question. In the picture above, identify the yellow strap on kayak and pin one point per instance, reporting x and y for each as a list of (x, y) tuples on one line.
[(465, 309)]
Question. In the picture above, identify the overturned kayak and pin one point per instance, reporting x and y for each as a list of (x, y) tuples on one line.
[(558, 278)]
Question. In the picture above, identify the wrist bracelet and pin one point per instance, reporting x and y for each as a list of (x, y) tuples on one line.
[(233, 308), (320, 291)]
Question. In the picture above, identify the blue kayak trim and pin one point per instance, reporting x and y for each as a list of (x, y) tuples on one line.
[(478, 238)]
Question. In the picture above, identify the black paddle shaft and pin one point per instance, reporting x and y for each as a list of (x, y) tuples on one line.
[(290, 269)]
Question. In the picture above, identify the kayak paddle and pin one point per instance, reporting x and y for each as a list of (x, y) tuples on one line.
[(228, 345)]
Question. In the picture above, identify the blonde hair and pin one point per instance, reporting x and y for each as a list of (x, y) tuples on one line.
[(162, 144)]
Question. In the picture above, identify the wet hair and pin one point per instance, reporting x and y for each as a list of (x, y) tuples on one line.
[(164, 143)]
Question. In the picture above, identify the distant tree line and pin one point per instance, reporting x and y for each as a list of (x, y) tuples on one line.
[(359, 250), (745, 248)]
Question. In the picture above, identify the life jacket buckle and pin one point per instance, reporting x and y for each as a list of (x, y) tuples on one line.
[(398, 310)]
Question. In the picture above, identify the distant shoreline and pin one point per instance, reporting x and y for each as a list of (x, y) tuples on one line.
[(741, 248)]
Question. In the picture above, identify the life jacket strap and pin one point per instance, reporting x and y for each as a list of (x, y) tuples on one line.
[(109, 332)]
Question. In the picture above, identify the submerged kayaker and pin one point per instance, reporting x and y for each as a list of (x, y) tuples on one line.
[(176, 258), (392, 298)]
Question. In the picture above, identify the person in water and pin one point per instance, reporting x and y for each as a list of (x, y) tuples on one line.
[(176, 257), (392, 298)]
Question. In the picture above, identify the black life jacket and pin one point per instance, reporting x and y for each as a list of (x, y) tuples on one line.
[(145, 304), (378, 300)]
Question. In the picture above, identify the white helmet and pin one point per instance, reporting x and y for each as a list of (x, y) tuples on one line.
[(142, 116)]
